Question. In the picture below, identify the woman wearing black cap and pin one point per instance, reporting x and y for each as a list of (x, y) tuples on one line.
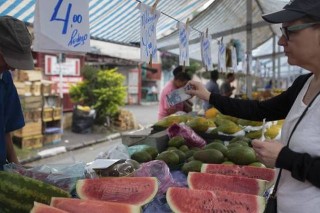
[(180, 80), (297, 155)]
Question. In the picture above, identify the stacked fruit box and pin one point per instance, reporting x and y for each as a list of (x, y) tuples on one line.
[(28, 87)]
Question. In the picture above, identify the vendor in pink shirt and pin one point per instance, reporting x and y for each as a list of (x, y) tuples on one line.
[(180, 80)]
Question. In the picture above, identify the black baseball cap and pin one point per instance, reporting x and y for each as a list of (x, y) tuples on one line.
[(15, 43), (294, 10)]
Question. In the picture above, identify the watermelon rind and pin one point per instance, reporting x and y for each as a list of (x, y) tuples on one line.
[(183, 200), (18, 193), (207, 181), (93, 206), (43, 208), (140, 190)]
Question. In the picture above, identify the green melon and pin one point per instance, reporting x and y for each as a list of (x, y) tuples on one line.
[(18, 193)]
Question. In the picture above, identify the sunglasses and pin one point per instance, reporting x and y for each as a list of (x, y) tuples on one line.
[(287, 30)]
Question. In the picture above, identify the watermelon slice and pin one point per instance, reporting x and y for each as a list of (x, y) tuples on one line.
[(43, 208), (203, 201), (92, 206), (131, 190), (206, 181), (245, 171)]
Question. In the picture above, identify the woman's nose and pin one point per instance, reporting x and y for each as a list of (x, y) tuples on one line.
[(282, 41)]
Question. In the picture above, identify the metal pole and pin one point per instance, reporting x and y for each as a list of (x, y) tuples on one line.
[(273, 60), (249, 49)]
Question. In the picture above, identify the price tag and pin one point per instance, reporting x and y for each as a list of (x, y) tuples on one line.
[(222, 57), (234, 59), (178, 96), (62, 26), (148, 33), (206, 51), (184, 33)]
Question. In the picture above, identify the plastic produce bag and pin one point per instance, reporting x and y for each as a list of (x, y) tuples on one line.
[(160, 170), (63, 176), (118, 151), (192, 138)]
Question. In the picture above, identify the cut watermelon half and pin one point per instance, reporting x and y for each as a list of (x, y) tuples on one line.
[(183, 200), (206, 181), (131, 190), (43, 208), (244, 171), (92, 206)]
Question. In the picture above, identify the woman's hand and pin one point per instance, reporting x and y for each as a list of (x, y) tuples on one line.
[(199, 90), (267, 151)]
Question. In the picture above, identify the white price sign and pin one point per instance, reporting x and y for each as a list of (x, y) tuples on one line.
[(222, 57), (62, 26), (184, 32), (206, 51), (148, 33)]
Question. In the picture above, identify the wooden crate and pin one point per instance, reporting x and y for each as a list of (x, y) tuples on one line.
[(29, 75), (31, 128), (24, 88), (48, 87), (30, 142), (36, 88), (51, 139), (57, 113), (32, 115), (31, 102), (47, 114)]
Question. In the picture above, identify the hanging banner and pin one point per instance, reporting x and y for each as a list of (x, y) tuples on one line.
[(205, 43), (61, 26), (222, 57), (234, 59), (184, 33), (148, 33)]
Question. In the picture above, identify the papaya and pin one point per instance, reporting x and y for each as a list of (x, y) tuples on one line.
[(199, 124), (209, 156), (211, 113)]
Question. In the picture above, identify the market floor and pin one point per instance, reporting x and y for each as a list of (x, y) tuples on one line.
[(145, 115)]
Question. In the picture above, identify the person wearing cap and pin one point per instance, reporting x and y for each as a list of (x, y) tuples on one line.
[(15, 53), (299, 186), (180, 80)]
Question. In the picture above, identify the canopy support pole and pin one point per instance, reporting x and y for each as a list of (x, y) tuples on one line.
[(249, 49)]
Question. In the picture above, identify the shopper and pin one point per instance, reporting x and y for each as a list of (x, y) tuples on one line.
[(212, 86), (180, 80), (15, 52), (226, 89), (299, 186)]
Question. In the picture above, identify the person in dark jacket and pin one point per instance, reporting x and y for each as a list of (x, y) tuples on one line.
[(299, 186), (15, 52), (212, 86)]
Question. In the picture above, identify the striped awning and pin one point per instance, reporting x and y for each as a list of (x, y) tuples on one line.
[(117, 21)]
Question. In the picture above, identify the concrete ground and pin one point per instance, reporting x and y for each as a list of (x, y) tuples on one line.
[(145, 115)]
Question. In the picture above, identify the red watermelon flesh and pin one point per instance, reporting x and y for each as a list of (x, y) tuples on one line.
[(131, 190), (183, 200), (92, 206), (43, 208), (206, 181), (245, 171)]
